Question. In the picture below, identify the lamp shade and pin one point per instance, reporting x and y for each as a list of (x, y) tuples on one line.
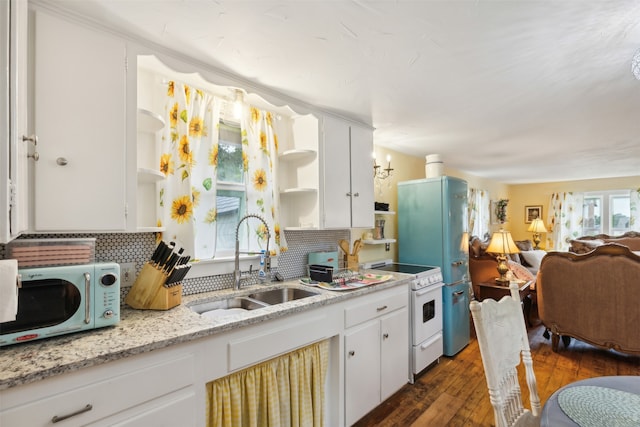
[(502, 243), (537, 226)]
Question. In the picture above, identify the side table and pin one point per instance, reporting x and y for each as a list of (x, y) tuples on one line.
[(496, 292)]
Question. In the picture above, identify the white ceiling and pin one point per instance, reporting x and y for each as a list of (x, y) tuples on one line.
[(516, 91)]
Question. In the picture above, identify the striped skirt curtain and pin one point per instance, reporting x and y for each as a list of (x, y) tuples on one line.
[(285, 391)]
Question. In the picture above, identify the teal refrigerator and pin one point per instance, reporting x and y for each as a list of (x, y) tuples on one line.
[(432, 230)]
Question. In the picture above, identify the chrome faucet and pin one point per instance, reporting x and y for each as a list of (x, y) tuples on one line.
[(237, 275)]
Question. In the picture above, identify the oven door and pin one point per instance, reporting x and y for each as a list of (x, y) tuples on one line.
[(426, 313), (45, 303)]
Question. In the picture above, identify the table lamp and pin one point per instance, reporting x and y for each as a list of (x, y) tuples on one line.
[(502, 244), (537, 227)]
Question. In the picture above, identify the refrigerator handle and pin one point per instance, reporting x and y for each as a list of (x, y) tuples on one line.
[(458, 263), (456, 283)]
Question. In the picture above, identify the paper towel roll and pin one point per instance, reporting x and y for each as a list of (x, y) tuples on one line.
[(8, 290)]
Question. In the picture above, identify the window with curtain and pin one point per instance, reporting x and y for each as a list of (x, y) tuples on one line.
[(216, 172), (608, 212), (479, 212)]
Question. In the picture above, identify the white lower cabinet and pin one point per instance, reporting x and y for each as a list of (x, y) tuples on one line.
[(156, 389), (376, 352)]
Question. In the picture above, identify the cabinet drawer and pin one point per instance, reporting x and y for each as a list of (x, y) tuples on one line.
[(376, 305), (257, 348), (105, 397)]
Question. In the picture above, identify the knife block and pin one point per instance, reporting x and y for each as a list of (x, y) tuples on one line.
[(149, 293)]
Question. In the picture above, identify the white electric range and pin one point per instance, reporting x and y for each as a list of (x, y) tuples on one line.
[(426, 311)]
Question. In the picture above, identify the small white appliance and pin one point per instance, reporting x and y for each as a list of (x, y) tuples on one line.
[(426, 311)]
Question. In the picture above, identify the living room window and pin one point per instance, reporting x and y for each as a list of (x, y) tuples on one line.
[(606, 212)]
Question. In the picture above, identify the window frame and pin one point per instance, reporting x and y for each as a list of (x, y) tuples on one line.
[(606, 200)]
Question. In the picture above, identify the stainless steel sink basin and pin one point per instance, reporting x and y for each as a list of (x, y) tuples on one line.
[(278, 296), (227, 304), (235, 305)]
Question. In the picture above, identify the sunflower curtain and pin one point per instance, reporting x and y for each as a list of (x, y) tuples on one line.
[(634, 205), (565, 219), (188, 159), (260, 131), (285, 392), (479, 212)]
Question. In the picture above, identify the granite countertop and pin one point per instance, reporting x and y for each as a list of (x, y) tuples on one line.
[(140, 331)]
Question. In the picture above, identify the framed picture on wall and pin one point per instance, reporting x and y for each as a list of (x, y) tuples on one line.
[(531, 213)]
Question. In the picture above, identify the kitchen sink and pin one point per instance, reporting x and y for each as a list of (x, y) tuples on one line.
[(235, 305), (278, 296), (239, 303)]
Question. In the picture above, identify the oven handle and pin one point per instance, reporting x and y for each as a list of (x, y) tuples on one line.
[(87, 300), (426, 344)]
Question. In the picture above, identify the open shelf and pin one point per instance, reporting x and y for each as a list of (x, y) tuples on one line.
[(149, 121), (146, 175), (378, 241), (298, 154), (298, 191), (384, 212)]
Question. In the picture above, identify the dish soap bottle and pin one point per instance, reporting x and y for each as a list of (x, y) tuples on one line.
[(262, 275)]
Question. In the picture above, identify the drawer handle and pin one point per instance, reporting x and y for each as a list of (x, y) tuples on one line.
[(384, 307), (352, 353), (56, 418), (385, 336)]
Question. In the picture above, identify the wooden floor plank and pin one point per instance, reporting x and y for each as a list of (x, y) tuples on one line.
[(441, 411)]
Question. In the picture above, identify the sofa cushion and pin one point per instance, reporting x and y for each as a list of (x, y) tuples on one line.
[(533, 258), (521, 272), (584, 246), (523, 245)]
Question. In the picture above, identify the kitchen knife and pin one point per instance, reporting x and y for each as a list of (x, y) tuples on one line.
[(155, 258)]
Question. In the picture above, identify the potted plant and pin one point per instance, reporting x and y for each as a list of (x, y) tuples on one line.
[(501, 210)]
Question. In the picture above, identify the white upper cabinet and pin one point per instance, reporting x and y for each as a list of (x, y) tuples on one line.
[(79, 117), (14, 137), (348, 183)]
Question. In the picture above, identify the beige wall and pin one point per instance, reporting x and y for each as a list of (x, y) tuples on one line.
[(408, 167), (539, 194)]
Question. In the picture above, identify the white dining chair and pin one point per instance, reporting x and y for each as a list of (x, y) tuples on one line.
[(504, 345)]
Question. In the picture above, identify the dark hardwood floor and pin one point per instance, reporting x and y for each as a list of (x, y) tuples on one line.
[(454, 392)]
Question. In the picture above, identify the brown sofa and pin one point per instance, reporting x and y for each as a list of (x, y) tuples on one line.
[(592, 297), (586, 244)]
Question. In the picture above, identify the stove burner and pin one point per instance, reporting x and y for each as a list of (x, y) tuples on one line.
[(403, 268)]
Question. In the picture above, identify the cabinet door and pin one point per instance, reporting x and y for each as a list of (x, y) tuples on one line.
[(79, 95), (362, 205), (394, 350), (362, 370), (336, 174), (13, 113)]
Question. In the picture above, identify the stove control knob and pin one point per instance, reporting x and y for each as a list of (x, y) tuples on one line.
[(108, 314)]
